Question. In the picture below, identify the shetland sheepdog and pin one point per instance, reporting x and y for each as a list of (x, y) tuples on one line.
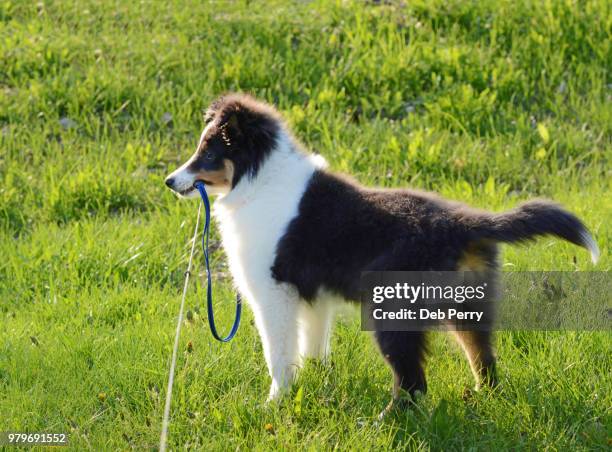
[(298, 236)]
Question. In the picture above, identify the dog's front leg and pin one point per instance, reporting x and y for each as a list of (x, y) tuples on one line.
[(315, 325), (276, 316)]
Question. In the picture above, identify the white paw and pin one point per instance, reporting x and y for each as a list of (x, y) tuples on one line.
[(276, 392)]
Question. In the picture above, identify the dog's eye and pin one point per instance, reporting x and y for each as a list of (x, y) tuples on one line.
[(209, 156)]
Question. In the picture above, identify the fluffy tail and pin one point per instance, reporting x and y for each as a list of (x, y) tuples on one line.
[(533, 219)]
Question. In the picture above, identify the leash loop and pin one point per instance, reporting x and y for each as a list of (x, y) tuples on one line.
[(209, 298)]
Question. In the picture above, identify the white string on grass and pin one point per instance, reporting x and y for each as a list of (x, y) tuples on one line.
[(163, 441)]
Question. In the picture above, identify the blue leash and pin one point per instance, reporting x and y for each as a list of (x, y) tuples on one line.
[(211, 315)]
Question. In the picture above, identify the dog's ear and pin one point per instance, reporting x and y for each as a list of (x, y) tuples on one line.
[(233, 124), (244, 127), (231, 129)]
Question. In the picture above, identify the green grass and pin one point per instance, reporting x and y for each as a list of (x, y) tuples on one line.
[(489, 102)]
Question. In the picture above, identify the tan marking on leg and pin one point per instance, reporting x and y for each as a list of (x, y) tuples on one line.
[(477, 344), (472, 261), (479, 351)]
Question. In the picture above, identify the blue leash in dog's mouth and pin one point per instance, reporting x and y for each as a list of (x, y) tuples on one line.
[(199, 185)]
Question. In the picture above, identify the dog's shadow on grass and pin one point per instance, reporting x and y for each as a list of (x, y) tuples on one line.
[(448, 424)]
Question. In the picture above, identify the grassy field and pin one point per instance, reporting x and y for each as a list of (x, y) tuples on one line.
[(489, 102)]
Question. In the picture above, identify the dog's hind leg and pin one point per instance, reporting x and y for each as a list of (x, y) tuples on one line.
[(405, 353), (315, 326), (276, 315), (479, 351), (479, 261)]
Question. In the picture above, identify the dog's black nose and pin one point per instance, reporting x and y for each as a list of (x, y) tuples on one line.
[(170, 181)]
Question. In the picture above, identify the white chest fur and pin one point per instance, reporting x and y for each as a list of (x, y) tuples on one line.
[(253, 217), (255, 214)]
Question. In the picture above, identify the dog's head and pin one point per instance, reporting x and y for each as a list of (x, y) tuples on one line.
[(239, 134)]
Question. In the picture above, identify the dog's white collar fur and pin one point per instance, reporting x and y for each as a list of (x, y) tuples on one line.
[(252, 219), (285, 166)]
